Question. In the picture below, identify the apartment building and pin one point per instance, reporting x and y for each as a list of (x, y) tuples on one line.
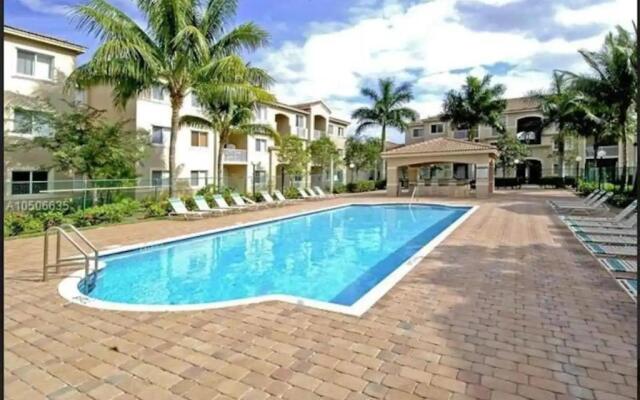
[(523, 118), (35, 67)]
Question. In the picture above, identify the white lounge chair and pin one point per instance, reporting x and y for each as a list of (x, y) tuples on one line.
[(280, 198), (630, 286), (592, 230), (268, 199), (628, 223), (587, 200), (223, 205), (243, 202), (179, 209), (596, 206), (615, 264), (303, 194), (628, 210), (611, 250), (321, 192), (203, 206), (610, 239)]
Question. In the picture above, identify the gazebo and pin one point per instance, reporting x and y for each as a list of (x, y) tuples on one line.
[(442, 151)]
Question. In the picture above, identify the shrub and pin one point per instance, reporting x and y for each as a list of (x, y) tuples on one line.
[(351, 187), (551, 181), (381, 184), (19, 223), (621, 199), (189, 202), (339, 188), (365, 186), (156, 208), (291, 193), (508, 182), (108, 213), (51, 218)]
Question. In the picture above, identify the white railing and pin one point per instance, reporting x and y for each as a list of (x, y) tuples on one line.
[(610, 151), (461, 134), (317, 134), (300, 131), (235, 155)]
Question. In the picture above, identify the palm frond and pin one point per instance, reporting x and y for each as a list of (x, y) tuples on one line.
[(195, 122)]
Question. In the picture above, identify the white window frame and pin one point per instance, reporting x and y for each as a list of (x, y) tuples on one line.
[(198, 146), (340, 131), (414, 130), (260, 145), (201, 179), (301, 119), (30, 182), (163, 172), (195, 103), (163, 92), (32, 133), (166, 131), (437, 124), (330, 129), (36, 55)]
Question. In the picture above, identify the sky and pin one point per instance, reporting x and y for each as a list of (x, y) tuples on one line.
[(329, 49)]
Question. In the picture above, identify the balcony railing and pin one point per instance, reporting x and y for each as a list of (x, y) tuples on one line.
[(300, 132), (317, 134), (235, 155), (609, 151), (461, 134)]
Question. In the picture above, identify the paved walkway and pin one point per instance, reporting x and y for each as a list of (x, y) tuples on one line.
[(508, 307)]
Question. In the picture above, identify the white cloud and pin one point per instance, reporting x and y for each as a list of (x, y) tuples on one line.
[(422, 43), (46, 7)]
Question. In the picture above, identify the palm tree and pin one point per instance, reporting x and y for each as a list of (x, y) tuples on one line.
[(478, 102), (558, 106), (228, 119), (613, 81), (185, 42), (388, 108)]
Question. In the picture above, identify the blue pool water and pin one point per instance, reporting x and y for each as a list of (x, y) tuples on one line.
[(334, 256)]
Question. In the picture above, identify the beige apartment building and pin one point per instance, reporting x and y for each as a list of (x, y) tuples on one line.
[(35, 69), (522, 118)]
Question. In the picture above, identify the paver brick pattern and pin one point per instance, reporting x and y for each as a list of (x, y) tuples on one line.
[(508, 307)]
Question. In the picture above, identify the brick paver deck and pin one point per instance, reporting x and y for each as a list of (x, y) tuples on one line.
[(508, 307)]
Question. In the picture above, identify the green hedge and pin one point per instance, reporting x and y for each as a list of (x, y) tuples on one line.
[(361, 186)]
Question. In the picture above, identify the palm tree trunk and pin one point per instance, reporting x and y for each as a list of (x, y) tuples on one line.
[(624, 158), (221, 144), (383, 170), (176, 104)]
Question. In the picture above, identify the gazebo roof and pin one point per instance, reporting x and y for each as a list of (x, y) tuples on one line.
[(441, 146)]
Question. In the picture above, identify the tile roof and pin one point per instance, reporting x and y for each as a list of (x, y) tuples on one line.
[(442, 145), (12, 30)]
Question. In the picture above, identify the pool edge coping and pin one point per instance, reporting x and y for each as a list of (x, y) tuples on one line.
[(68, 287)]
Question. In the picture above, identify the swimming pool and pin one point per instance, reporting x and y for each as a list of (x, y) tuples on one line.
[(342, 258)]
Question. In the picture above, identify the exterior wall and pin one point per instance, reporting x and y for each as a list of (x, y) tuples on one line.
[(36, 94)]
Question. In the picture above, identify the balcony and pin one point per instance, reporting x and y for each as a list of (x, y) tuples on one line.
[(317, 134), (609, 151), (235, 155), (461, 134), (300, 132)]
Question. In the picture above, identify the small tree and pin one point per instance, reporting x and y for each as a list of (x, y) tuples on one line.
[(510, 150), (323, 153), (85, 143), (293, 155), (362, 152)]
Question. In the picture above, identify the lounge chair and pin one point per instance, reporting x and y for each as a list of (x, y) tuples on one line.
[(304, 194), (630, 286), (611, 250), (268, 199), (203, 206), (587, 200), (610, 239), (619, 217), (628, 223), (239, 201), (596, 206), (593, 230), (179, 209), (222, 204), (280, 198), (615, 264), (321, 192)]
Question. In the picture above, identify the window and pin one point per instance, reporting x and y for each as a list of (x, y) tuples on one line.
[(556, 169), (199, 178), (330, 129), (299, 121), (340, 131), (260, 177), (27, 122), (29, 182), (417, 132), (158, 92), (261, 113), (529, 130), (35, 65), (461, 134), (194, 101), (261, 145), (437, 128), (199, 139), (159, 134), (159, 178)]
